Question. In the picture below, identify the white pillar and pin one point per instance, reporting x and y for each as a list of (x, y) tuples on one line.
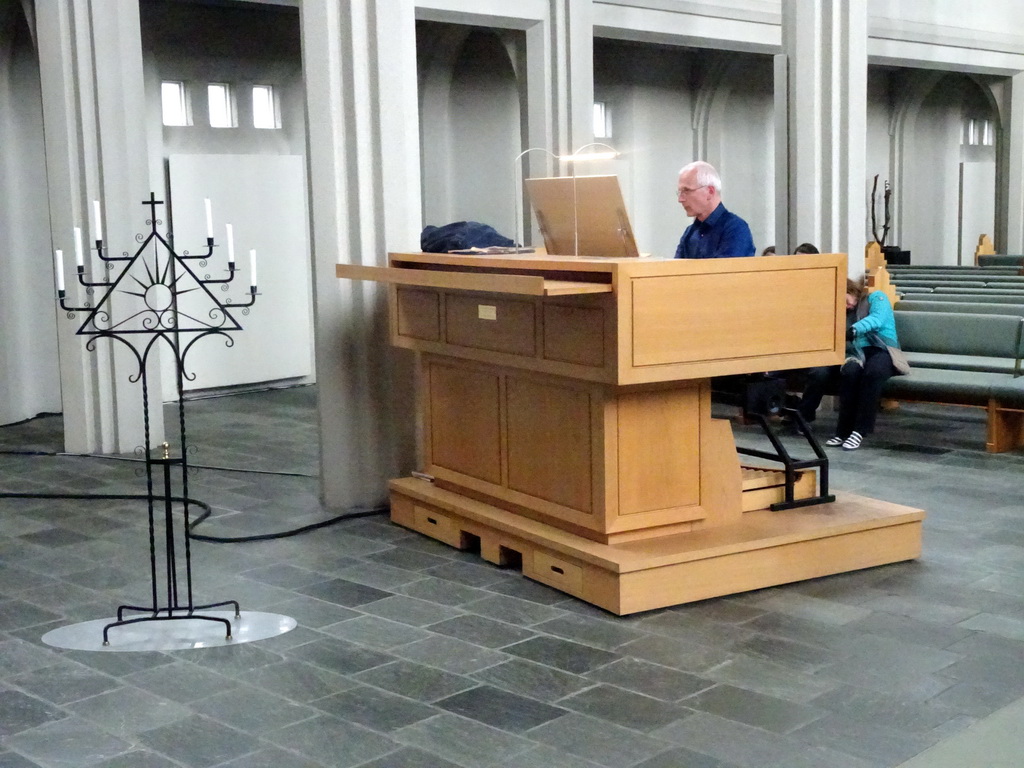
[(94, 118), (826, 49), (1013, 181), (364, 190)]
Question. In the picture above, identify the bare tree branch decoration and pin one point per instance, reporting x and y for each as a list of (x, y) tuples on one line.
[(886, 197)]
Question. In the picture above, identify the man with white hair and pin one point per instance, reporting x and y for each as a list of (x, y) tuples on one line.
[(715, 232)]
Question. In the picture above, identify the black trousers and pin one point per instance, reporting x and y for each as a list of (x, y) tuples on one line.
[(860, 390), (819, 381)]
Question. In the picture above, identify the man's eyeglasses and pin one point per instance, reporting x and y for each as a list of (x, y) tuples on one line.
[(680, 191)]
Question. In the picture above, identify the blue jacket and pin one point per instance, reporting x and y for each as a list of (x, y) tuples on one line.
[(720, 235), (879, 318)]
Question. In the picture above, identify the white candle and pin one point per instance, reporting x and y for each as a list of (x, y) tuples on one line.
[(231, 243), (58, 266), (79, 256), (99, 221), (209, 217), (252, 268)]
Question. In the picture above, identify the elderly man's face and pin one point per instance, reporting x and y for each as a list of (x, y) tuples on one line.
[(697, 200)]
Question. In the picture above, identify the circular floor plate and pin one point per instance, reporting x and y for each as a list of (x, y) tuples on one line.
[(171, 635)]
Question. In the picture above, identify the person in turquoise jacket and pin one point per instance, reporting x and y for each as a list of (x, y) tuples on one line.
[(869, 364)]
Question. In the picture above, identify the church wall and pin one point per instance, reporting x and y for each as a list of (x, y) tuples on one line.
[(29, 379)]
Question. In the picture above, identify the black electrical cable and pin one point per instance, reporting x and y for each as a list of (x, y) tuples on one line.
[(207, 511)]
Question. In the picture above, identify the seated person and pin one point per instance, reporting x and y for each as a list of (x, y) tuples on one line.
[(806, 248), (715, 232), (871, 331)]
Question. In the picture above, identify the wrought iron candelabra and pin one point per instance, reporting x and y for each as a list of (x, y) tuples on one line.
[(147, 292)]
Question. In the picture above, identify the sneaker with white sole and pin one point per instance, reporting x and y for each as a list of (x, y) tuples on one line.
[(832, 442), (852, 443)]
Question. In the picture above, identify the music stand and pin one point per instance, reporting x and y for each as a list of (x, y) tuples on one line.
[(582, 215)]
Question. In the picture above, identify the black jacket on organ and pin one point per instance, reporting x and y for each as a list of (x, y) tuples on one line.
[(460, 235)]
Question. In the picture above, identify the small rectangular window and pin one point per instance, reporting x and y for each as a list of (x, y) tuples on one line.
[(988, 136), (264, 107), (174, 99), (222, 113), (602, 121)]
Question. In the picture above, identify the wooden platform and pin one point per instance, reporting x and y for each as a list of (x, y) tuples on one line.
[(764, 549)]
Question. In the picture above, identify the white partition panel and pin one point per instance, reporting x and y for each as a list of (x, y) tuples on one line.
[(263, 197), (977, 206)]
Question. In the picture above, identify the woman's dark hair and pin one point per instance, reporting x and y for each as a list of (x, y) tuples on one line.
[(806, 248), (856, 288)]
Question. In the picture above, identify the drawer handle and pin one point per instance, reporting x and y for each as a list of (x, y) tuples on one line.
[(432, 521), (558, 570)]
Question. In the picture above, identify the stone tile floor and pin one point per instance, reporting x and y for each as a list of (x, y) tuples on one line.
[(410, 654)]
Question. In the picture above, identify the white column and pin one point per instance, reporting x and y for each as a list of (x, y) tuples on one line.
[(90, 57), (1013, 181), (826, 49), (364, 180)]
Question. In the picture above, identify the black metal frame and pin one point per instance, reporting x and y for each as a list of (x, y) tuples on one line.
[(791, 465), (159, 280)]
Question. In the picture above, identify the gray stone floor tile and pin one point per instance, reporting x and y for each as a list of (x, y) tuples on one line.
[(64, 682), (21, 712), (534, 680), (379, 575), (19, 656), (598, 741), (409, 610), (482, 631), (800, 656), (548, 757), (416, 681), (563, 654), (12, 760), (181, 681), (468, 574), (136, 759), (625, 708), (375, 632), (299, 681), (1004, 626), (651, 679), (339, 656), (374, 708), (756, 709), (974, 699), (771, 679), (680, 757), (271, 757), (125, 712), (598, 633), (500, 709), (681, 626), (735, 743), (198, 741), (333, 742), (253, 710), (442, 592), (869, 741), (311, 612), (344, 592), (513, 610), (62, 744), (410, 757), (451, 654), (678, 654), (18, 613), (462, 741), (527, 589), (410, 560)]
